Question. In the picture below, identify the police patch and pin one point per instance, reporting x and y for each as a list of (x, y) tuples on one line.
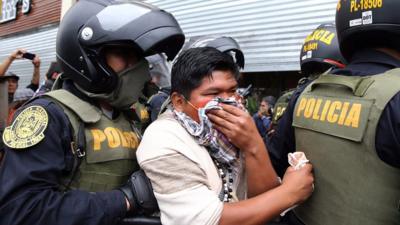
[(27, 129)]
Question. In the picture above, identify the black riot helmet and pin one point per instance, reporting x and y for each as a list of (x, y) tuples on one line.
[(320, 51), (222, 43), (367, 24), (91, 25)]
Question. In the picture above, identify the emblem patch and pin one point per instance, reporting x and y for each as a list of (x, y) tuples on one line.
[(27, 129)]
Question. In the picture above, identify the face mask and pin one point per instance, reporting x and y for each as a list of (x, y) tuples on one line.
[(191, 105), (129, 88)]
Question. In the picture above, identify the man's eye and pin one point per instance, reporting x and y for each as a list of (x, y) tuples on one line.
[(212, 94)]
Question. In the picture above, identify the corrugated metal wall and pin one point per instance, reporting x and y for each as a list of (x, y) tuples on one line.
[(41, 42), (270, 32)]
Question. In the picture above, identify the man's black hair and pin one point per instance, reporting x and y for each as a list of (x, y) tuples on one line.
[(9, 75), (194, 64), (271, 100)]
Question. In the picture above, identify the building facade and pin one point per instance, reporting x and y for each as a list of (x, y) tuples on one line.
[(270, 32), (31, 25)]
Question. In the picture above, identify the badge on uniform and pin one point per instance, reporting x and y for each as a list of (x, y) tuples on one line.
[(27, 129)]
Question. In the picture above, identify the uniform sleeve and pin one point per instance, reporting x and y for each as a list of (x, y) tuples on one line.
[(387, 139), (283, 139), (180, 185), (30, 179)]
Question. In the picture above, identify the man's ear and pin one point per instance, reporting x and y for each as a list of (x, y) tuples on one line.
[(178, 101)]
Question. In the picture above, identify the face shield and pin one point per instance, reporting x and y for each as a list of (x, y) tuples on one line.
[(160, 70)]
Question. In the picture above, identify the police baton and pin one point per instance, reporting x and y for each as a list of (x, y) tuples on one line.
[(141, 220)]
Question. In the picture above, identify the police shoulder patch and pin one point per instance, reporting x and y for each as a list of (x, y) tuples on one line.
[(27, 129)]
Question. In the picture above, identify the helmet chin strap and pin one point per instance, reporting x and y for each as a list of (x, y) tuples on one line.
[(335, 63)]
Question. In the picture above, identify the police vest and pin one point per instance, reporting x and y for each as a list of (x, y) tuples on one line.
[(109, 154), (335, 122), (283, 101), (280, 106)]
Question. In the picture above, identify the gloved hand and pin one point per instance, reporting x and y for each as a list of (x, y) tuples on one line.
[(139, 192)]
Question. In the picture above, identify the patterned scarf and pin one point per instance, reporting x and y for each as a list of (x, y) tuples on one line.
[(217, 144)]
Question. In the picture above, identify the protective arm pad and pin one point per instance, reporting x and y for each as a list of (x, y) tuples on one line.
[(139, 192)]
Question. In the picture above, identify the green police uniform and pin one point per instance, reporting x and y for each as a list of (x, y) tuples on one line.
[(105, 149), (335, 121), (283, 101), (280, 106)]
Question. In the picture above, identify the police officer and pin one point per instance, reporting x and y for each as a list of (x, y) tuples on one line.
[(280, 107), (70, 152), (160, 70), (349, 126), (319, 53)]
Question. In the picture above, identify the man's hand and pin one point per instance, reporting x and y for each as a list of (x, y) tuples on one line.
[(17, 54), (299, 183), (237, 125), (36, 62), (139, 194)]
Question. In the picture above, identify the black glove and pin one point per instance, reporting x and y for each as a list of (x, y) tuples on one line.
[(140, 194)]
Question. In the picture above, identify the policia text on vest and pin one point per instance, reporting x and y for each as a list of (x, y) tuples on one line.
[(113, 138), (344, 113)]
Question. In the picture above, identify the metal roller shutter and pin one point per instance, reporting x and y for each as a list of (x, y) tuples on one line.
[(270, 32), (41, 42)]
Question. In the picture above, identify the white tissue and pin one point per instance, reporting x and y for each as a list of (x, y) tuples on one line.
[(296, 160)]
